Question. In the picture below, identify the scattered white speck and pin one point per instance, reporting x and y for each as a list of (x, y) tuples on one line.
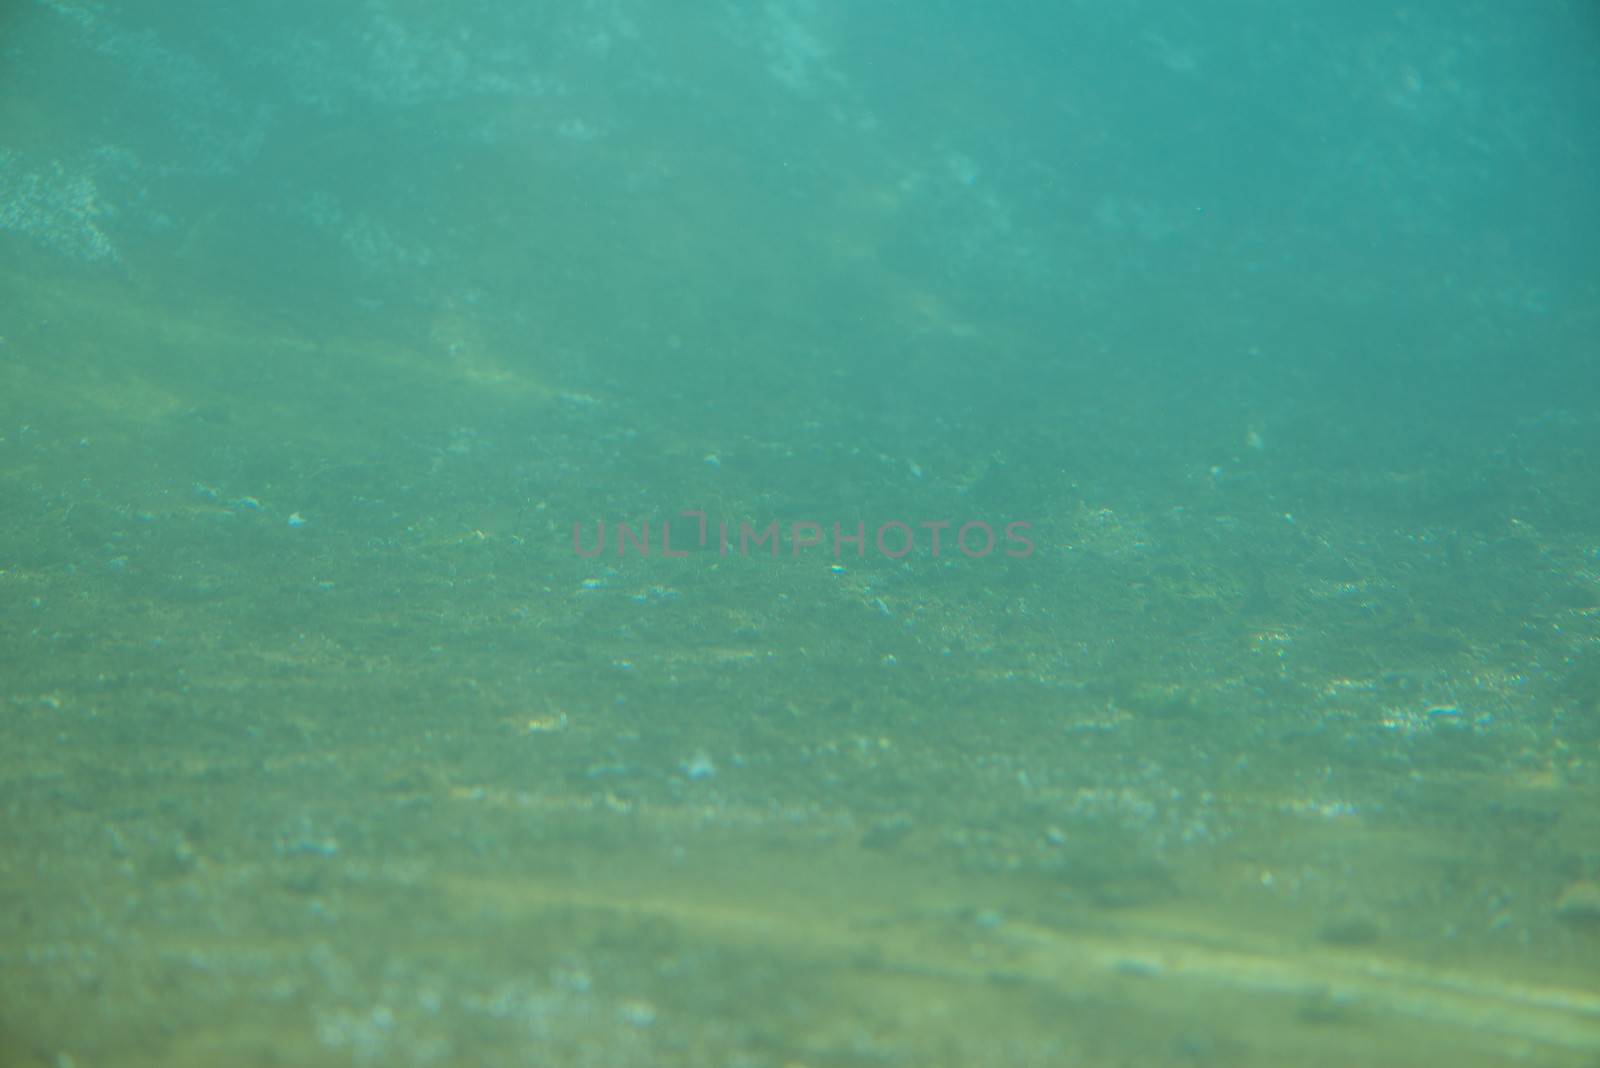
[(699, 767)]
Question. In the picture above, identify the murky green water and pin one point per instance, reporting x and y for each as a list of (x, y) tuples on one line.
[(1123, 572)]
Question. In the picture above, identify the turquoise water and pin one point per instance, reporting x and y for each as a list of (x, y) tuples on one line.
[(799, 533)]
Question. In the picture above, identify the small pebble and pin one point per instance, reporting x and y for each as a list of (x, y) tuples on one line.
[(699, 767), (1350, 929), (1580, 902)]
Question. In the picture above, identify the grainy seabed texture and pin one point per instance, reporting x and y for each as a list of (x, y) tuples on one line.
[(796, 534)]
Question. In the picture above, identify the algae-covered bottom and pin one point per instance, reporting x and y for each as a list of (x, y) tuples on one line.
[(322, 746)]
